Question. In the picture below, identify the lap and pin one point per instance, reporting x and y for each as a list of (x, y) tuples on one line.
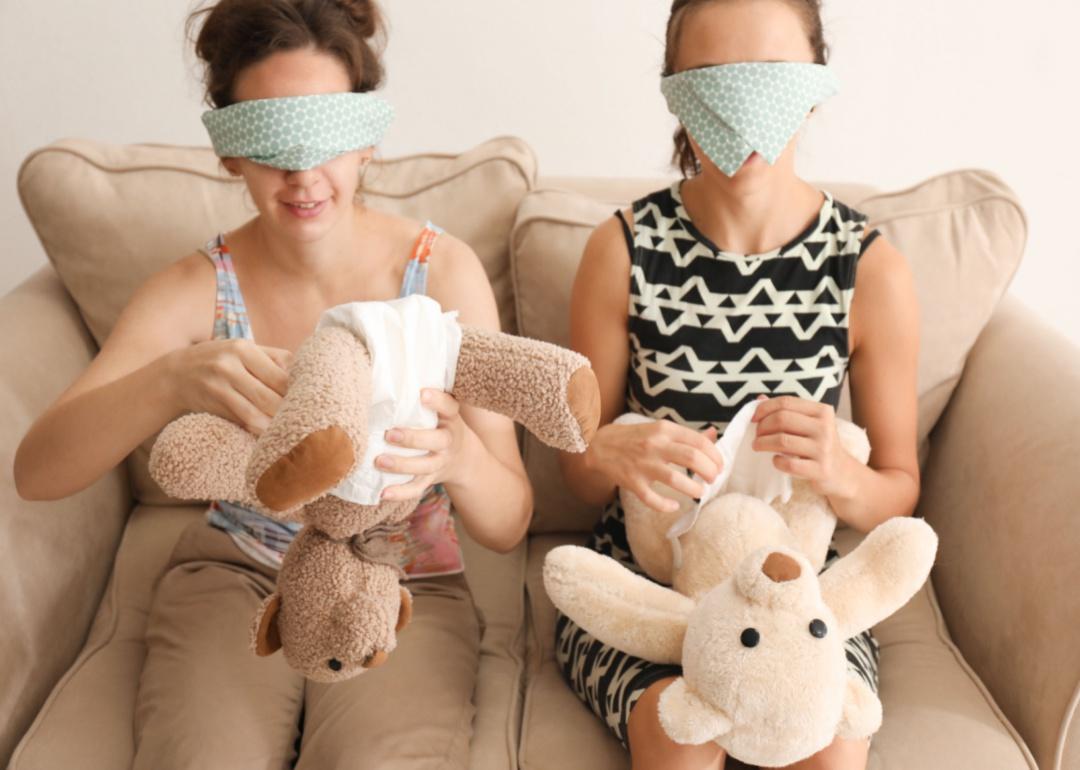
[(416, 709), (205, 699)]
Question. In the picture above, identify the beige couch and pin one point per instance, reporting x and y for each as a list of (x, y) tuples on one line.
[(980, 670)]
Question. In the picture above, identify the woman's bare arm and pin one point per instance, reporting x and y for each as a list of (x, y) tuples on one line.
[(885, 347), (137, 384)]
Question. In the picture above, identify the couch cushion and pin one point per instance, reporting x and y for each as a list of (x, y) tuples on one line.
[(87, 720), (937, 712), (109, 216), (963, 233), (56, 554)]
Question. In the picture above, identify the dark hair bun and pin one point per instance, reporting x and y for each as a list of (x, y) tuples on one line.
[(364, 14), (230, 35)]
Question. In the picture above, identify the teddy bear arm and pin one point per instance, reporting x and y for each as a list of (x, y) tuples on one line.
[(550, 390), (880, 575), (624, 610)]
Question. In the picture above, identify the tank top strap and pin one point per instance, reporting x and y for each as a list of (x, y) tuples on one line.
[(230, 314), (416, 270)]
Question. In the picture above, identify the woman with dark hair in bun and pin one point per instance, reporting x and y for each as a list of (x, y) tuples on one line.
[(290, 85), (739, 287)]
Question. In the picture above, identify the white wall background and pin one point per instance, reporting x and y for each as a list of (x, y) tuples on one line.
[(928, 86)]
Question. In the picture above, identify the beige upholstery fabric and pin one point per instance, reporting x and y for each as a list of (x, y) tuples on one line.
[(87, 720), (55, 556), (937, 713), (79, 195), (962, 232), (1010, 591)]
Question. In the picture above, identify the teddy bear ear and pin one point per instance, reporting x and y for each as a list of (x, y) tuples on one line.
[(689, 720), (265, 637), (405, 610)]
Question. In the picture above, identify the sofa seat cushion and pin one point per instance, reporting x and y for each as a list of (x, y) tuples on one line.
[(963, 234), (110, 216), (937, 712), (86, 721)]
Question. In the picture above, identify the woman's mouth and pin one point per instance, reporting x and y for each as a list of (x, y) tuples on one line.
[(304, 209)]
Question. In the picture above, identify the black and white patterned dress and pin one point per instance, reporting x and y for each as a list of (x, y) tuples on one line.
[(709, 331)]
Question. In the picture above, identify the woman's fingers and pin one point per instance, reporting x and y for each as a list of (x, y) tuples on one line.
[(795, 423), (789, 404), (244, 413), (654, 499), (263, 366), (445, 405), (787, 444), (432, 440), (676, 479), (280, 356), (413, 489), (694, 460), (420, 465), (257, 392)]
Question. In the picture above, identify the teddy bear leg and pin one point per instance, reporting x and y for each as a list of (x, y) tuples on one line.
[(202, 457), (320, 431), (550, 390)]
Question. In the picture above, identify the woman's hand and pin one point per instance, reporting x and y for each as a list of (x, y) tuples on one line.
[(234, 379), (635, 456), (803, 433), (446, 446)]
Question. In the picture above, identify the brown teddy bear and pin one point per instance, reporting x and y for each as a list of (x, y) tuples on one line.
[(339, 603)]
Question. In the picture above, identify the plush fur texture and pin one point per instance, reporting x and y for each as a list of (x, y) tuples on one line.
[(764, 671), (339, 604)]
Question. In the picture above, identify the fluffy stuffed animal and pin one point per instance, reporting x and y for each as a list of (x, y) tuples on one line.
[(759, 635), (338, 603), (700, 545)]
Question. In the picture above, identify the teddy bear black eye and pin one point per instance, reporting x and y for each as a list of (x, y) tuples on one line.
[(750, 637), (818, 629), (334, 664)]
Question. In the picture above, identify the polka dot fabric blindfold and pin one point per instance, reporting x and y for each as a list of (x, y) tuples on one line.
[(731, 110), (298, 132)]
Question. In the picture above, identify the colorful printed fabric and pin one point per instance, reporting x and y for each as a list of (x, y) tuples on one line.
[(298, 132), (430, 545), (731, 110)]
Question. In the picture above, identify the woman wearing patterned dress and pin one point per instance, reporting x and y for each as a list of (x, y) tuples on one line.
[(720, 290)]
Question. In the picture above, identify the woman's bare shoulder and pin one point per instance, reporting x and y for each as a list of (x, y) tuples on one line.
[(178, 300), (885, 302)]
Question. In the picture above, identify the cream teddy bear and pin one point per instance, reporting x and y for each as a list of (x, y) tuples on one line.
[(759, 634)]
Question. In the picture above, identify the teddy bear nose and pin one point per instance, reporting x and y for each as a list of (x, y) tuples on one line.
[(334, 664), (780, 568)]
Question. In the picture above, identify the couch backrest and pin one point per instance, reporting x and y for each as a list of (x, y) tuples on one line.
[(109, 216), (963, 233)]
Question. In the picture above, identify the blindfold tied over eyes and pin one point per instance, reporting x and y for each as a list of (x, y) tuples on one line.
[(298, 132)]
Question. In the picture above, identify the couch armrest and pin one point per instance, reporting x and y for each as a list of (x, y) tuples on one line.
[(56, 556), (1002, 489)]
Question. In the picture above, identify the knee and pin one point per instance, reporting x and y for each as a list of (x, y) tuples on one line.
[(841, 754), (650, 746)]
